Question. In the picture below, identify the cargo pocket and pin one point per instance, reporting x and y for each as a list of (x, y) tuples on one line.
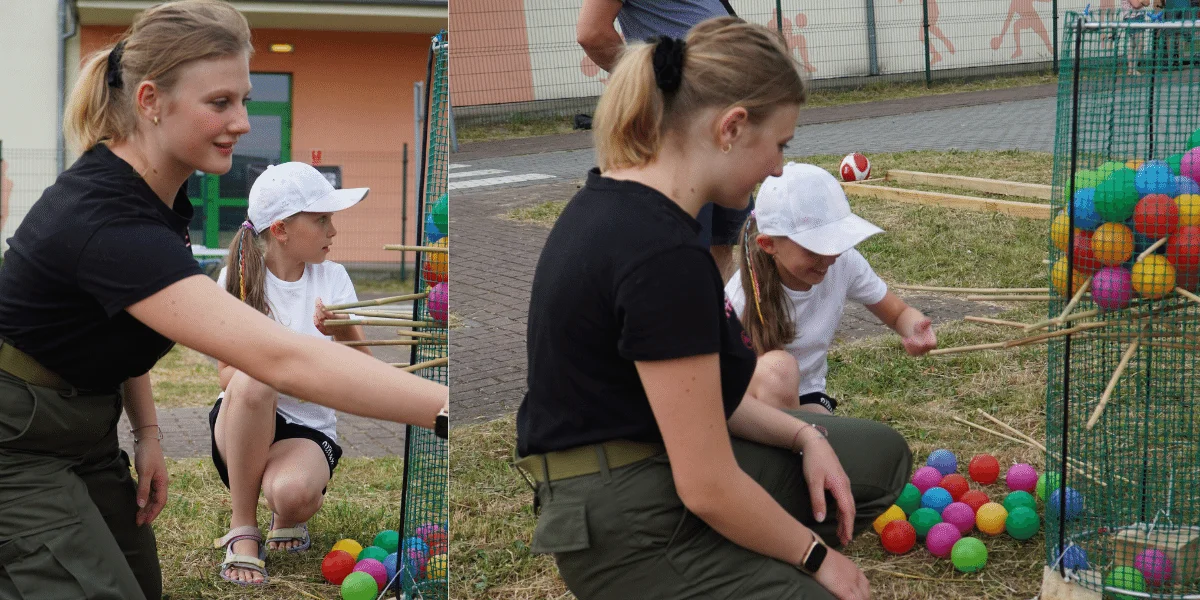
[(51, 569), (562, 527)]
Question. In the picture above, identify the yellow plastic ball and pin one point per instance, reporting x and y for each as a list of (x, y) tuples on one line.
[(1135, 164), (892, 514), (1058, 278), (1189, 209), (1112, 244), (1153, 276), (990, 518), (437, 263), (349, 545), (1060, 231), (437, 567)]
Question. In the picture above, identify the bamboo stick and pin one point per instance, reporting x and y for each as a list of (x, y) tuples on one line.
[(1075, 300), (1012, 298), (991, 321), (1187, 294), (355, 343), (377, 302), (1024, 443), (1061, 320), (1053, 334), (421, 335), (1042, 447), (375, 313), (941, 351), (1112, 383), (431, 249), (380, 322), (930, 288), (1151, 249), (429, 364)]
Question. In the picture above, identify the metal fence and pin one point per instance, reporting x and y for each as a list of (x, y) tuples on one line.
[(516, 59)]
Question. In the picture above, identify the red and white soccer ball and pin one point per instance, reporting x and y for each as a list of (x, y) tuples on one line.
[(855, 167)]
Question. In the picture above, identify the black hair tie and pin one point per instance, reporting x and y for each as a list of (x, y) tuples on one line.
[(668, 62), (114, 65)]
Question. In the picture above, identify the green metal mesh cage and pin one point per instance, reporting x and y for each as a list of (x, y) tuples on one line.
[(426, 467), (1121, 393)]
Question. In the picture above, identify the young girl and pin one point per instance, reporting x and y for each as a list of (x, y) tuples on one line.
[(799, 262), (260, 437), (99, 282), (661, 473)]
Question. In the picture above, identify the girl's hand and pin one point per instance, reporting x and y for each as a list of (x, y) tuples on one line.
[(152, 479), (320, 316), (823, 471), (843, 578), (921, 339)]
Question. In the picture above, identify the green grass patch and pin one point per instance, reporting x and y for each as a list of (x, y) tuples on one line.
[(544, 214), (184, 378), (515, 126)]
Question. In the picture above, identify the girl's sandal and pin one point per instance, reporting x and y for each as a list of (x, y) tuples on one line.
[(242, 561), (297, 533)]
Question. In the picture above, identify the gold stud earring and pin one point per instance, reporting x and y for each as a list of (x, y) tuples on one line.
[(156, 120), (727, 148)]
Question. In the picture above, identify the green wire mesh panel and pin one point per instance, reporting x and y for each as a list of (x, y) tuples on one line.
[(1121, 391), (425, 526)]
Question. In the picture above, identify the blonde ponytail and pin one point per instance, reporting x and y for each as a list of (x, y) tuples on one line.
[(767, 315)]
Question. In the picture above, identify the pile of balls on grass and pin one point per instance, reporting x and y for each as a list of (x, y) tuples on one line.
[(363, 572)]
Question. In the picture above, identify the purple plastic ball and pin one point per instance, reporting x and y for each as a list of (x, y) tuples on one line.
[(941, 538), (439, 304), (959, 515), (925, 478), (1112, 288), (1189, 165), (1021, 477), (1155, 566), (1186, 185), (375, 569), (943, 460)]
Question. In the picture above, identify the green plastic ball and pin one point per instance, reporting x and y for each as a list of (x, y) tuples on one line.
[(388, 539), (1109, 167), (1022, 523), (1194, 139), (1042, 486), (1117, 196), (968, 555), (910, 499), (1087, 179), (923, 519), (441, 217), (374, 552), (1019, 498), (1125, 578), (1174, 160), (359, 585)]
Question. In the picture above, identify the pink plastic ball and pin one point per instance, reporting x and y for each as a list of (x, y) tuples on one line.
[(941, 538), (960, 515), (373, 568), (1021, 477), (439, 301), (1112, 288), (1189, 165), (1155, 566), (925, 478)]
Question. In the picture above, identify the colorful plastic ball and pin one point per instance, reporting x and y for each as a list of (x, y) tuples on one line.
[(974, 499), (1194, 139), (1075, 558), (1117, 195), (1048, 479), (359, 586), (415, 561), (336, 566), (1134, 164), (1021, 477), (910, 499), (1125, 578), (1058, 278), (1155, 177), (1022, 523), (372, 552), (926, 477), (1173, 162), (391, 562), (943, 460), (1141, 242), (1018, 499), (438, 544), (1060, 231), (440, 213), (1186, 185), (936, 498), (923, 519), (1183, 249), (893, 513), (439, 301), (1087, 179), (968, 555), (1189, 165), (350, 546), (1189, 209), (1112, 243), (388, 539), (1108, 168), (941, 539), (1085, 259), (437, 264), (437, 566), (898, 537), (375, 569), (984, 469), (990, 518), (955, 484), (1054, 503), (1156, 216), (1155, 566), (959, 515), (415, 543), (1085, 209), (432, 233), (1153, 277), (427, 529), (1112, 288)]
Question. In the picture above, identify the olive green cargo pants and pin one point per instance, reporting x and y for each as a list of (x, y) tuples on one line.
[(67, 500), (626, 534)]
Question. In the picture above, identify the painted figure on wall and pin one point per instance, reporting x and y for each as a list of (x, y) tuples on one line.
[(590, 69), (1027, 18), (934, 56), (795, 39)]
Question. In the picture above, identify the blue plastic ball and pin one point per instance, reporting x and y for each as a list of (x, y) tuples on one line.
[(1074, 503), (1075, 558), (1186, 185), (1085, 209), (1155, 177), (936, 498), (415, 542), (432, 233), (390, 563), (943, 460)]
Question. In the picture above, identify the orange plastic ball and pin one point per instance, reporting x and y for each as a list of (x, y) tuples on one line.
[(892, 514), (990, 518), (898, 537), (955, 484), (1112, 244), (974, 499), (437, 263)]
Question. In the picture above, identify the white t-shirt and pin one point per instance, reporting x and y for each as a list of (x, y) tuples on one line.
[(818, 311), (292, 305)]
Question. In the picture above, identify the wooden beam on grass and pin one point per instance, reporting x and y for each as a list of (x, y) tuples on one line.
[(1026, 210), (975, 184)]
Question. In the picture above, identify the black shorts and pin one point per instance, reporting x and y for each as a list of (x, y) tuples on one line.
[(283, 431), (720, 226), (829, 402)]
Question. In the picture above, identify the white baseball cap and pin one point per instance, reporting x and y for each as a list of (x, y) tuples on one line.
[(807, 205), (295, 187)]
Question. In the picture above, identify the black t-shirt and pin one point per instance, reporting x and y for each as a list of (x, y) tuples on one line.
[(97, 241), (622, 278)]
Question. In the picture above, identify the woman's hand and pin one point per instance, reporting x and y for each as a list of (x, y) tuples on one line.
[(823, 471), (320, 316), (920, 338), (152, 478), (843, 578)]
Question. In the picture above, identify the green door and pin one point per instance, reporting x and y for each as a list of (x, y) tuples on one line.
[(220, 200)]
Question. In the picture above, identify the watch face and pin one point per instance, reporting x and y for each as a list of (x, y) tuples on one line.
[(815, 558)]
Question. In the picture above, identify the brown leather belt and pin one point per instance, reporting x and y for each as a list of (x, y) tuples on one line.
[(24, 367)]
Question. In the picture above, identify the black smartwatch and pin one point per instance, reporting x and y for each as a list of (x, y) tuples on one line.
[(441, 425), (814, 557)]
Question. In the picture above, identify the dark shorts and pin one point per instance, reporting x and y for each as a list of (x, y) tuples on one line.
[(283, 431), (720, 226), (829, 402)]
